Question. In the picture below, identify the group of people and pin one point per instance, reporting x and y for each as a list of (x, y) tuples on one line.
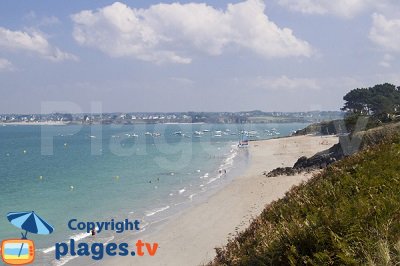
[(222, 171), (158, 180)]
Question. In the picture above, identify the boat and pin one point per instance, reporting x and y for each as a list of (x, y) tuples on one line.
[(178, 133), (274, 131), (252, 133), (243, 142), (147, 133), (218, 133)]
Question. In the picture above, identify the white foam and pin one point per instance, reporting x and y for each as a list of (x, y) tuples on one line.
[(47, 250), (151, 213), (64, 260), (76, 237), (225, 166), (213, 179), (182, 190), (191, 196)]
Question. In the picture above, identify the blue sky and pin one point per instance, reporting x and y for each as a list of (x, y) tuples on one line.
[(273, 55)]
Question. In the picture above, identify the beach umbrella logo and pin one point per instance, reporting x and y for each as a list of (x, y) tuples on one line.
[(22, 251)]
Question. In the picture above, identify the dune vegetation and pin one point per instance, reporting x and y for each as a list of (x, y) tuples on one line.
[(349, 214)]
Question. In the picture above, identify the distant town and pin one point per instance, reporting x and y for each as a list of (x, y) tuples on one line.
[(173, 117)]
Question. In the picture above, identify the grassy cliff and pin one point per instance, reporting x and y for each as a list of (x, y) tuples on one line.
[(347, 215)]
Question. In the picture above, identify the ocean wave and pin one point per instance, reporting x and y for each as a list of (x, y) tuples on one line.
[(225, 166), (151, 213), (63, 260), (68, 258), (192, 195), (213, 179)]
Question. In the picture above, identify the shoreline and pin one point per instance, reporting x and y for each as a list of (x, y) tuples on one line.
[(47, 123), (191, 237)]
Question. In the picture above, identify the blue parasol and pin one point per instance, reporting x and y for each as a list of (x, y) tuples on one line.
[(30, 222)]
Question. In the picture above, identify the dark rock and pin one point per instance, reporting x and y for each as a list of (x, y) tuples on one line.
[(281, 171), (318, 161)]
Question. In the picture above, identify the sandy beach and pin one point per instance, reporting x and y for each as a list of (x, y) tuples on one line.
[(190, 238)]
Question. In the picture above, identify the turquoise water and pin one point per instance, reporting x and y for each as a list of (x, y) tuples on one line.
[(95, 173)]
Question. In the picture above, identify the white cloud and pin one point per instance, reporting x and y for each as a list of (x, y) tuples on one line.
[(5, 65), (386, 61), (173, 32), (385, 33), (286, 83), (34, 42), (341, 8)]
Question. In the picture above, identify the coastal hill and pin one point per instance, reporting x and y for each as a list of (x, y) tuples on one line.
[(349, 212), (346, 215)]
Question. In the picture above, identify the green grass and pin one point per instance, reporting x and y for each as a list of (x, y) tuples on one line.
[(347, 215)]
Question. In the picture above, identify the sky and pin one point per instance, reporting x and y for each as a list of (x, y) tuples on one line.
[(151, 56)]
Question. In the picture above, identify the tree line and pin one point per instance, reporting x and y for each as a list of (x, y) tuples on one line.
[(380, 101)]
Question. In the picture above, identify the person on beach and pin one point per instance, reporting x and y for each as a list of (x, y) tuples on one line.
[(93, 232)]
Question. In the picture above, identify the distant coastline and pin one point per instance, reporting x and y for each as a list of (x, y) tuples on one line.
[(247, 117), (36, 123)]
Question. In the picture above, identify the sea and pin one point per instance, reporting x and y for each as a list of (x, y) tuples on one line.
[(145, 172)]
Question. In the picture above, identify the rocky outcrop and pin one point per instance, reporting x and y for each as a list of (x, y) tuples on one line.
[(347, 145), (318, 161), (321, 159)]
